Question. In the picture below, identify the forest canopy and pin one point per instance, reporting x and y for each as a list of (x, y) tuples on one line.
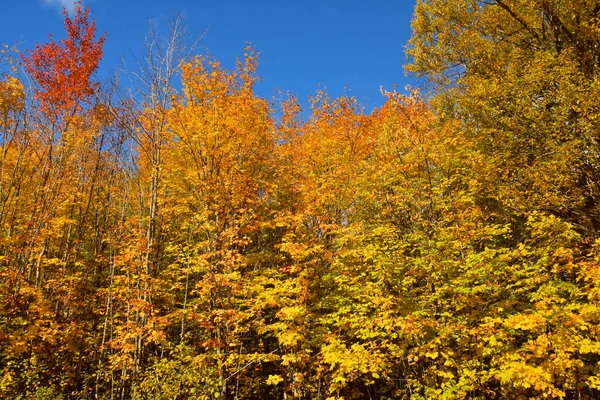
[(191, 240)]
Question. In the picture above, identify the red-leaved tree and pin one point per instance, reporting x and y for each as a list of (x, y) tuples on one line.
[(63, 70)]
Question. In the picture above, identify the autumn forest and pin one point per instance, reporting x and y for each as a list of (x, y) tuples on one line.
[(183, 238)]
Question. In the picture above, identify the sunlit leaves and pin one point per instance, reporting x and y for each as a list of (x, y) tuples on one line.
[(193, 243)]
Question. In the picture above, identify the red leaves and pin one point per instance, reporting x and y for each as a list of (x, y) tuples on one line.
[(63, 70)]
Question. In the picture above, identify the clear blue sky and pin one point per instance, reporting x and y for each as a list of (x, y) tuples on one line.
[(302, 44)]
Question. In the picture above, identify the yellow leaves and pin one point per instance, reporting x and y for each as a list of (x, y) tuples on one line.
[(431, 354), (274, 380), (526, 322), (349, 363), (59, 223), (588, 346), (290, 359), (12, 95), (594, 381), (519, 375), (353, 254), (289, 329), (6, 381), (292, 313), (290, 338)]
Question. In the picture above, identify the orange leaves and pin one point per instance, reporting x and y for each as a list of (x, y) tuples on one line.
[(63, 70), (223, 136), (216, 253)]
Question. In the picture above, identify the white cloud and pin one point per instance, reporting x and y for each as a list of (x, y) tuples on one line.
[(68, 4)]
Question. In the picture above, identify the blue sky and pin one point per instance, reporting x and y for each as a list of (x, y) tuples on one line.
[(303, 45)]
